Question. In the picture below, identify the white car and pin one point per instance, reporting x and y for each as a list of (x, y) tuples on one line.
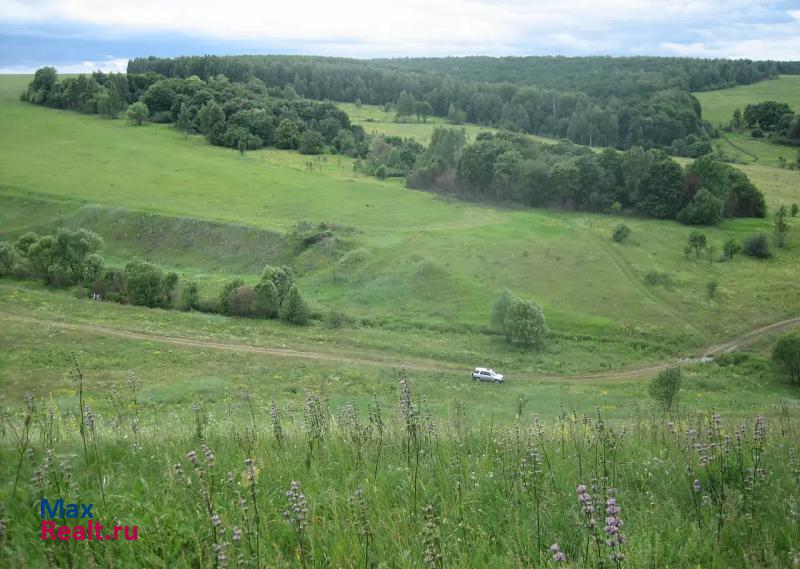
[(484, 374)]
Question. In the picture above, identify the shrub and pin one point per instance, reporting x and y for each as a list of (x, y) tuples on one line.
[(757, 246), (621, 233), (502, 302), (138, 113), (6, 257), (697, 242), (665, 386), (655, 278), (525, 322), (704, 209), (190, 297), (311, 142), (731, 247), (786, 355), (242, 302), (148, 285), (92, 267), (712, 288), (293, 308), (225, 295)]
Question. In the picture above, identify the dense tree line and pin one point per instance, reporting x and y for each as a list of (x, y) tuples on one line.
[(71, 258), (599, 101), (773, 119), (509, 167), (241, 115)]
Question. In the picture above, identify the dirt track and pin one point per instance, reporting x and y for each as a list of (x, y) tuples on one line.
[(416, 364)]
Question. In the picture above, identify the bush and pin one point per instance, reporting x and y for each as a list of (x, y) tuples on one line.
[(148, 285), (525, 322), (502, 303), (704, 209), (621, 233), (242, 302), (6, 257), (228, 289), (190, 297), (293, 308), (786, 355), (311, 142), (757, 246), (655, 278), (665, 386)]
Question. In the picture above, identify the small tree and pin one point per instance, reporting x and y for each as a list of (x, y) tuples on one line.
[(795, 209), (665, 386), (697, 242), (781, 227), (525, 322), (712, 288), (6, 257), (730, 248), (267, 301), (92, 267), (621, 233), (293, 308), (757, 246), (287, 135), (138, 113), (147, 285), (225, 295), (311, 142), (190, 297), (184, 120), (242, 301), (502, 303), (786, 355)]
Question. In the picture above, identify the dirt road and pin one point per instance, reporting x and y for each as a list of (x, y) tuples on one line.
[(411, 364)]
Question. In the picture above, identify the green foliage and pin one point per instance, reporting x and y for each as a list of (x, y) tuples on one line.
[(713, 288), (781, 227), (228, 290), (405, 105), (311, 142), (795, 210), (786, 355), (704, 209), (7, 254), (287, 135), (267, 300), (525, 322), (147, 285), (138, 113), (656, 278), (92, 267), (190, 296), (293, 308), (757, 246), (502, 303), (665, 386), (731, 247), (621, 233), (212, 119), (24, 242), (697, 242)]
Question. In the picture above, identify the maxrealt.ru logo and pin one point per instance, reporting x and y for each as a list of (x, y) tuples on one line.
[(88, 531)]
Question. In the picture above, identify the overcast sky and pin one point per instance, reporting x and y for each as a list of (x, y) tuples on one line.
[(82, 35)]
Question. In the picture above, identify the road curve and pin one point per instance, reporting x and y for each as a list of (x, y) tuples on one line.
[(418, 365)]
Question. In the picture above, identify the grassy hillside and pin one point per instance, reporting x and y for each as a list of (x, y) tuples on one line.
[(718, 107), (402, 257)]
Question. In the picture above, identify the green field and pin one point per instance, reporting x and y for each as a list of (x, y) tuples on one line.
[(456, 474), (718, 107)]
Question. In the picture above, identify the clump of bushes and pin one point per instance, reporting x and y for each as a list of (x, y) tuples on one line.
[(757, 246), (70, 257), (621, 233), (655, 278)]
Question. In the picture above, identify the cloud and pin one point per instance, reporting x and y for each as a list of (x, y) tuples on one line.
[(111, 64), (365, 28)]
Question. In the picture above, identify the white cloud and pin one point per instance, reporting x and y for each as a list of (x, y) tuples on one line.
[(435, 27), (117, 65)]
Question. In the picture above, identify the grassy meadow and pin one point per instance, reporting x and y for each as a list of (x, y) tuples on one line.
[(718, 107), (195, 426)]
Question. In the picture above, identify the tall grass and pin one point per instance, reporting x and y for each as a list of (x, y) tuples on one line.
[(309, 484)]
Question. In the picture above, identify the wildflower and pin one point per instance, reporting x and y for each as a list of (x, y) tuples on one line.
[(432, 555), (236, 534), (209, 455), (558, 555), (215, 519), (297, 509), (696, 486)]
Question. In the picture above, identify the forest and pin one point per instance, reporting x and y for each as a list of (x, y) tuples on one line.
[(507, 167), (618, 102)]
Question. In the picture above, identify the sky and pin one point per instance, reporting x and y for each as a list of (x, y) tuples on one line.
[(85, 35)]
